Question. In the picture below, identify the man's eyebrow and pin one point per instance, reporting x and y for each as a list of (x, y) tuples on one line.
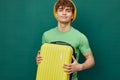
[(68, 8), (60, 8)]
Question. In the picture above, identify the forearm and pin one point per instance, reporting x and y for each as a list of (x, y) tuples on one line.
[(88, 64)]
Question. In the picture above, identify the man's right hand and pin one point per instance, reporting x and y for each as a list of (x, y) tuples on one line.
[(38, 58)]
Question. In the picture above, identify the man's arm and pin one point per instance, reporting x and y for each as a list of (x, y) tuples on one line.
[(89, 62), (75, 66)]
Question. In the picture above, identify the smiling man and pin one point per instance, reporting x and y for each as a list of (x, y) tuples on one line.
[(65, 13)]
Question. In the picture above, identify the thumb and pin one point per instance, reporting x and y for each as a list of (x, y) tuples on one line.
[(73, 58)]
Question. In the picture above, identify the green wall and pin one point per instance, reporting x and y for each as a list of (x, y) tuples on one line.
[(22, 23)]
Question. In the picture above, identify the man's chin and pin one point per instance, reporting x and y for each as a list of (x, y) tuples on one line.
[(64, 21)]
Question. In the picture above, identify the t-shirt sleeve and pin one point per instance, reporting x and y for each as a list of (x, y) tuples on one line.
[(84, 45), (43, 39)]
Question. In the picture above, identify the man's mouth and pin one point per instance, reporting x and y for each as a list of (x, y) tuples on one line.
[(64, 17)]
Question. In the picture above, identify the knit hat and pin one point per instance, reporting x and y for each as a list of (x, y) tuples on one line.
[(74, 14)]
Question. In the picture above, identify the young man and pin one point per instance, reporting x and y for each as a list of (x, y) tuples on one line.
[(65, 12)]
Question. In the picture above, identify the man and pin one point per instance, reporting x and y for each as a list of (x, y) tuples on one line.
[(65, 13)]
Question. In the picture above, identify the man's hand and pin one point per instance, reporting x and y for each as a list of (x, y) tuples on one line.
[(74, 67), (38, 58)]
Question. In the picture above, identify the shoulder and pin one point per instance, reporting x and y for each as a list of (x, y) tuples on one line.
[(78, 33), (50, 31)]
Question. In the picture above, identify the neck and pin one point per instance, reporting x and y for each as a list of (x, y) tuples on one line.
[(63, 27)]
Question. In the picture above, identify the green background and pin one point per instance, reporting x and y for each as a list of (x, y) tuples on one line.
[(22, 23)]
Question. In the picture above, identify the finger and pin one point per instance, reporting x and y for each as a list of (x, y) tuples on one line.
[(39, 52), (39, 58), (73, 58), (38, 61), (67, 67), (38, 55), (68, 71)]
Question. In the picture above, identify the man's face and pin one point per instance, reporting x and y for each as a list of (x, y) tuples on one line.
[(64, 15)]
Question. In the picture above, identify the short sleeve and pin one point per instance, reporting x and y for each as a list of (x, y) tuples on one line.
[(84, 45), (43, 39)]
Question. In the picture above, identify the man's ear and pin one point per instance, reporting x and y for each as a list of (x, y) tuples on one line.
[(56, 15)]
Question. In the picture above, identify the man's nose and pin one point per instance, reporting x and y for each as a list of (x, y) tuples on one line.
[(64, 12)]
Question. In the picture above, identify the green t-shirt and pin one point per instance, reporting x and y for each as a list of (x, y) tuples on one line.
[(73, 37)]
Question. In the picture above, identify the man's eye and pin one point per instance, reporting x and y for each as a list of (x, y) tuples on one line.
[(68, 10), (60, 10)]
